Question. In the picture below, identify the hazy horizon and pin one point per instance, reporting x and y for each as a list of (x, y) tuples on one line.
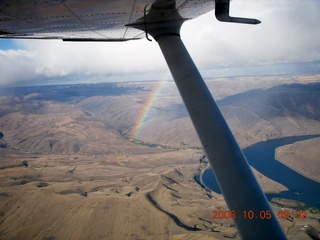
[(286, 38)]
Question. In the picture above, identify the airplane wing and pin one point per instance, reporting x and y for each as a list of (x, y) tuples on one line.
[(86, 20)]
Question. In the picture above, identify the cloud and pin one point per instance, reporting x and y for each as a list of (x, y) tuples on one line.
[(16, 65), (54, 58), (288, 33)]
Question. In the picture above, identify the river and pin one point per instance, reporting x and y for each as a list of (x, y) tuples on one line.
[(261, 156)]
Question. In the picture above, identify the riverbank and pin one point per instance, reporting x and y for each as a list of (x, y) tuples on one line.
[(200, 176), (270, 172), (291, 156), (268, 185), (294, 169)]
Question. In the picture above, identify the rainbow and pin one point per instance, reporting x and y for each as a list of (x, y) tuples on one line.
[(145, 110)]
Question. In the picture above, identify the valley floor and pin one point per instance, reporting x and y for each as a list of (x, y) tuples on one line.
[(143, 196)]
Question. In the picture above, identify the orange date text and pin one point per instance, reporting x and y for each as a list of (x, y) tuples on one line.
[(263, 214), (232, 214)]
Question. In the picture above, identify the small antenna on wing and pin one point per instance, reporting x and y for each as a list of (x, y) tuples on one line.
[(222, 13), (145, 22)]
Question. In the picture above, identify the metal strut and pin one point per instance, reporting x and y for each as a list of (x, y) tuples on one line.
[(239, 186)]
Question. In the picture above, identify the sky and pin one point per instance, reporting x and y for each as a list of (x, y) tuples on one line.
[(288, 35)]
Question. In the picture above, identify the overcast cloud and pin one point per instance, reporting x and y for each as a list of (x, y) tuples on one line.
[(289, 33)]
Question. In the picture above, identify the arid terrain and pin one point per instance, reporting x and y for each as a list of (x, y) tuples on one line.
[(72, 167), (302, 157)]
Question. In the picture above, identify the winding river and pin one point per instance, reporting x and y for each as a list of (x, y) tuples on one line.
[(261, 157)]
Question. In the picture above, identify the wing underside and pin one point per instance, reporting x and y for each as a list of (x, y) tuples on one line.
[(100, 20)]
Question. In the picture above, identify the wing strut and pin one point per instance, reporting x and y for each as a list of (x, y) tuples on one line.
[(237, 182)]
